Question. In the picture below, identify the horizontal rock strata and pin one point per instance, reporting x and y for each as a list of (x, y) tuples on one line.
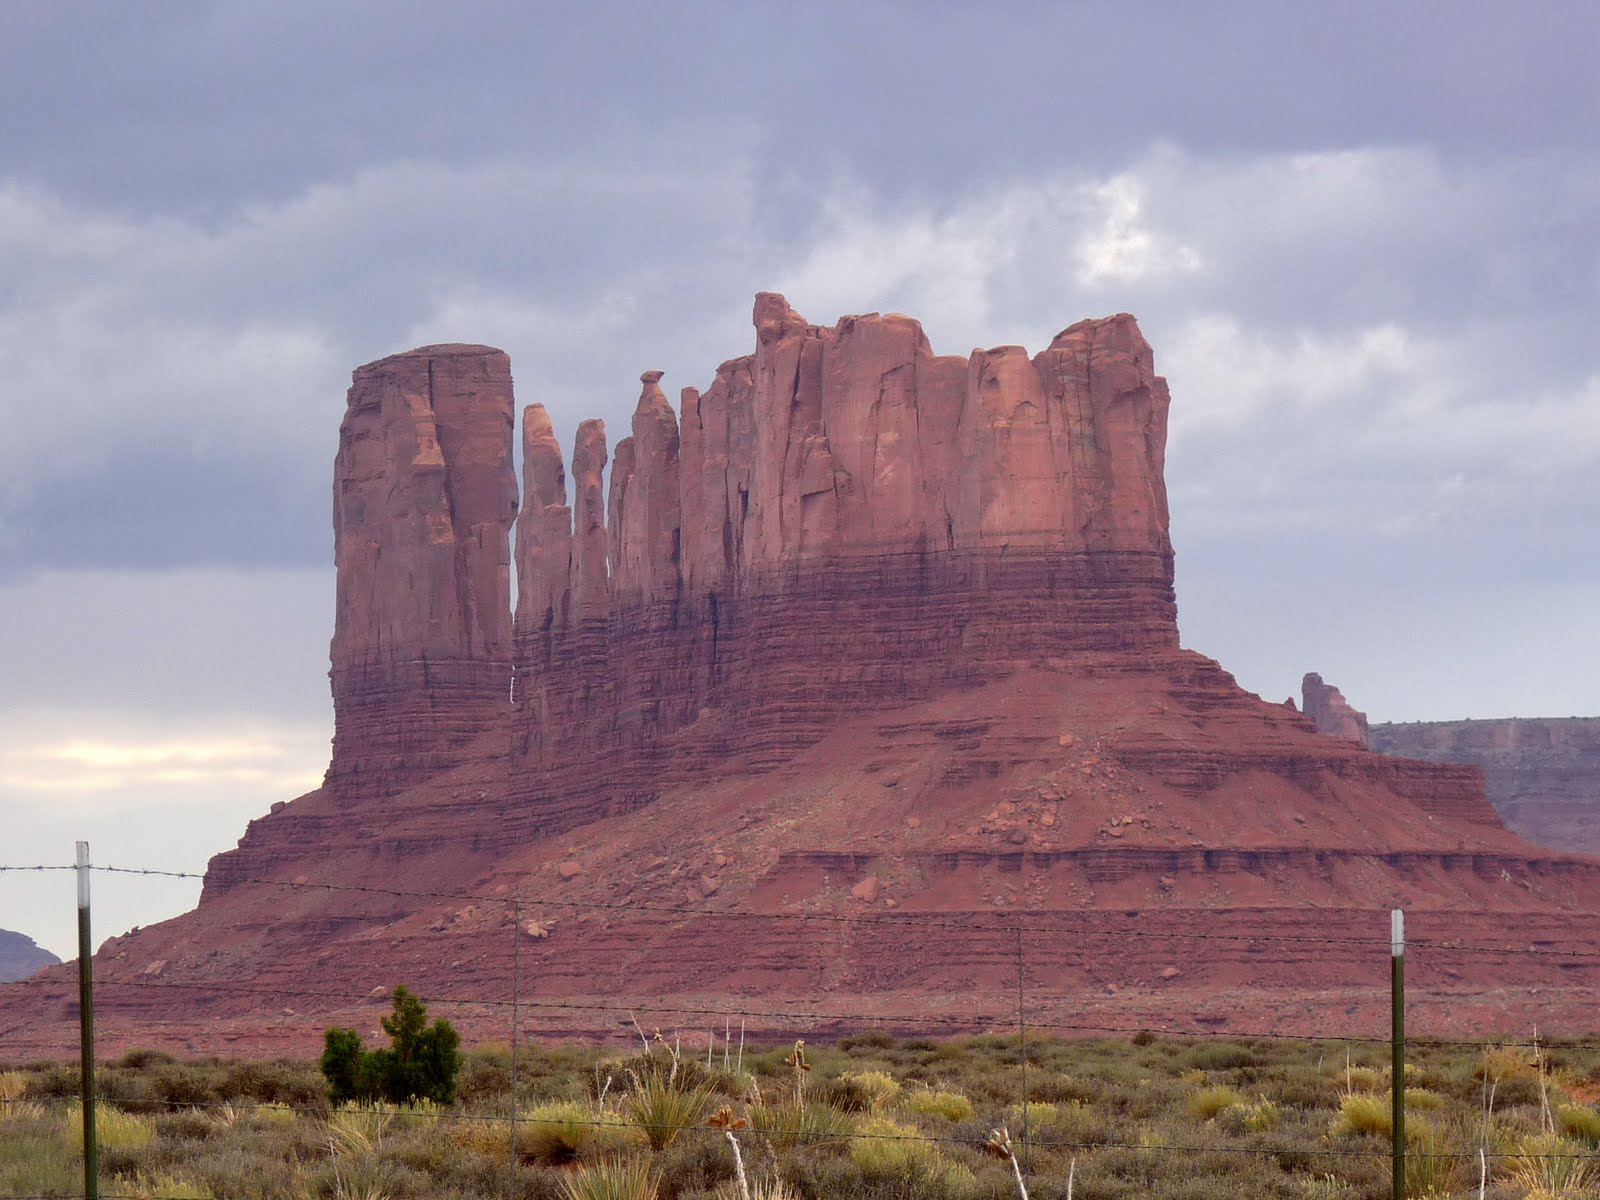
[(1541, 774), (843, 520)]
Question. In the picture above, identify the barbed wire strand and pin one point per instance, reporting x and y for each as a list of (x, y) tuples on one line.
[(926, 920)]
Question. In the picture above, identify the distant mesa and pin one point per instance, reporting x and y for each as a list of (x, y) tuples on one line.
[(1541, 774), (20, 957)]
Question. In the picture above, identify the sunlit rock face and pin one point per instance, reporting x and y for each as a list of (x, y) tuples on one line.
[(423, 499), (842, 519)]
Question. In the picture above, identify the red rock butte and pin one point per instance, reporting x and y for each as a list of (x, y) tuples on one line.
[(861, 660)]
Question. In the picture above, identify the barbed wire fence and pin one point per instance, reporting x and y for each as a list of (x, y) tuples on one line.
[(108, 995)]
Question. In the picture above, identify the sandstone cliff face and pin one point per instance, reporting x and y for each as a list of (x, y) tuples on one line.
[(1330, 711), (1543, 775), (861, 632), (844, 519), (424, 497)]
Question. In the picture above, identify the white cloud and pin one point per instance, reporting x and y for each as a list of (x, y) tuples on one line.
[(1123, 248), (146, 792)]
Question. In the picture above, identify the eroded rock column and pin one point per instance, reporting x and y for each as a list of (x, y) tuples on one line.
[(424, 496)]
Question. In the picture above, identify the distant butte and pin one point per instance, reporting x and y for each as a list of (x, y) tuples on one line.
[(1330, 712), (857, 637)]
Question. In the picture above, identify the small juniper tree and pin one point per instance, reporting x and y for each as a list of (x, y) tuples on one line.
[(419, 1064)]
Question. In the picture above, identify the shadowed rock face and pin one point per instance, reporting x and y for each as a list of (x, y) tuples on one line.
[(20, 957), (423, 501)]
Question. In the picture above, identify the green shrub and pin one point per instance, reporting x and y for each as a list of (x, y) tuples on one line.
[(1363, 1079), (113, 1128), (558, 1134), (886, 1149), (1366, 1115), (163, 1187), (420, 1063), (870, 1089), (1422, 1100), (1219, 1056), (1580, 1123)]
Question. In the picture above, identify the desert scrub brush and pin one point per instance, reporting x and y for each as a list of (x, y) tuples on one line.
[(926, 1102), (615, 1179)]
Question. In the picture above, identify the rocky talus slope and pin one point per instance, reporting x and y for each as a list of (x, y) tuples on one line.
[(855, 683)]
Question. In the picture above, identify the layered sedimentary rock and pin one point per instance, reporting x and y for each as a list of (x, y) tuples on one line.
[(844, 519), (424, 497), (20, 956), (860, 633), (1542, 774), (1330, 711)]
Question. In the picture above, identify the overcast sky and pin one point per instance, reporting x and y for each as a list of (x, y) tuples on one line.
[(1364, 240)]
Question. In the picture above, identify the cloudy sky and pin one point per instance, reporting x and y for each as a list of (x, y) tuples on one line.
[(1364, 240)]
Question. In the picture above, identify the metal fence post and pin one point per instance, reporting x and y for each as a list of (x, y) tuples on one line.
[(516, 997), (1397, 992), (1022, 1046), (91, 1148)]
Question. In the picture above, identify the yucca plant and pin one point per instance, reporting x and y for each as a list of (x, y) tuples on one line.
[(356, 1131), (561, 1133), (1548, 1166), (1432, 1169), (999, 1145), (163, 1187), (757, 1187), (663, 1109), (617, 1179), (787, 1123)]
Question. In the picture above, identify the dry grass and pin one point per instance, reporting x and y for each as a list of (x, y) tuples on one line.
[(1207, 1104), (879, 1118)]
